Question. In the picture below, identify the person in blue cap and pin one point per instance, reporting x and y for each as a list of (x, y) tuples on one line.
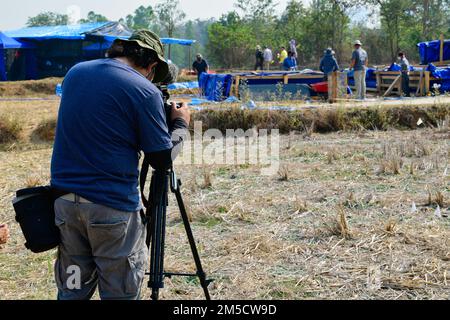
[(328, 64)]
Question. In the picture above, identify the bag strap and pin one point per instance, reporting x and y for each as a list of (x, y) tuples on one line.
[(142, 181)]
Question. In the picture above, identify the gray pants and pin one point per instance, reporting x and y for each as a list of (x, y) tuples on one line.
[(360, 84), (106, 246)]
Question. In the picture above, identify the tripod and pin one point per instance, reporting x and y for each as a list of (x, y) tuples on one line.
[(156, 230)]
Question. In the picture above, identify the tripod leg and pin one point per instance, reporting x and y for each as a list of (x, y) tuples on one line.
[(201, 274), (157, 231)]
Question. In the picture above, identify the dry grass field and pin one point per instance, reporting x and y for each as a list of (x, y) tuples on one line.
[(335, 223)]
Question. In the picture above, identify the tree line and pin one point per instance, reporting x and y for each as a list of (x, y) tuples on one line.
[(384, 26)]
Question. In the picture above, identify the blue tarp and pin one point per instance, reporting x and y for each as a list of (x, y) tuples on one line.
[(98, 46), (2, 66), (397, 67), (182, 42), (430, 51), (10, 43), (443, 76), (69, 32), (371, 78), (215, 87), (439, 73), (183, 85)]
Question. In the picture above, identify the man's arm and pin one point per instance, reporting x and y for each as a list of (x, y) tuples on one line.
[(336, 65), (163, 160), (354, 57)]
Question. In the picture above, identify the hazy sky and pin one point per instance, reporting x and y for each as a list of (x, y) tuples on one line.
[(14, 13)]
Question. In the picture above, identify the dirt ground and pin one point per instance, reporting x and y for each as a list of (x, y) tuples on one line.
[(335, 223)]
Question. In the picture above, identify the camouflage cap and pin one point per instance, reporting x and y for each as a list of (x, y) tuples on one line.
[(149, 40)]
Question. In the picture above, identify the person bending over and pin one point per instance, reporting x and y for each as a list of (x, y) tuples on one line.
[(110, 113)]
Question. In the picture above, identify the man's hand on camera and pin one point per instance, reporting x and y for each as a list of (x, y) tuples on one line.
[(182, 112)]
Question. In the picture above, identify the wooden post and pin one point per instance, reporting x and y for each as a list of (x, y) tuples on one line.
[(332, 87), (441, 55), (419, 90), (335, 86), (427, 82), (236, 87), (286, 79), (378, 83), (190, 58)]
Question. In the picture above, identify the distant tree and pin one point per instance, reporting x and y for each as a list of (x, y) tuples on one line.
[(394, 16), (142, 18), (170, 16), (260, 16), (434, 17), (256, 8), (93, 17), (231, 42), (292, 18), (291, 22), (48, 19)]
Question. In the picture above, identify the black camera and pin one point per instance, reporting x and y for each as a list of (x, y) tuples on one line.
[(164, 88), (167, 106)]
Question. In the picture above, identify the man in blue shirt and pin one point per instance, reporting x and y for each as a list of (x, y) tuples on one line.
[(290, 63), (359, 64), (110, 112), (328, 64)]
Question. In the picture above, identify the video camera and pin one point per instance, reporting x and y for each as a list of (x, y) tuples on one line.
[(164, 88)]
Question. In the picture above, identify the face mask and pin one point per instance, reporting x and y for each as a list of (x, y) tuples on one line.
[(151, 75)]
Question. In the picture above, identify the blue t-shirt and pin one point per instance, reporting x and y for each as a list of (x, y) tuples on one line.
[(360, 57), (108, 114), (289, 63)]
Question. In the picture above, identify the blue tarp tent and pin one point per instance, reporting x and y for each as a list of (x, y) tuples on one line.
[(61, 47), (10, 43), (2, 66), (5, 44), (69, 32), (58, 48)]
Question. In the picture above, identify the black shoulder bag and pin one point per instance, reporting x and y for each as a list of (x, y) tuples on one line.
[(35, 212)]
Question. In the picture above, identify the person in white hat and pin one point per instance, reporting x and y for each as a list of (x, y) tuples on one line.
[(359, 64)]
